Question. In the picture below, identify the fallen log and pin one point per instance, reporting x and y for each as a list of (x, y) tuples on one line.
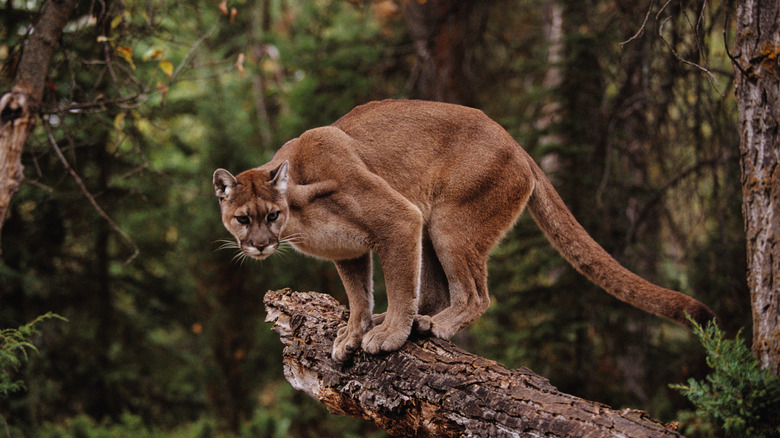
[(430, 387)]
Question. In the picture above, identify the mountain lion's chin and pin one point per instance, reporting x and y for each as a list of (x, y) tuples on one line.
[(258, 254)]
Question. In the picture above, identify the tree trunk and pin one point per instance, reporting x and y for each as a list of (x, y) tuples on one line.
[(757, 54), (551, 112), (443, 32), (19, 107), (431, 387)]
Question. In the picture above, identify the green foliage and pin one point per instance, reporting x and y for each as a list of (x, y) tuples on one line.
[(738, 395), (14, 345)]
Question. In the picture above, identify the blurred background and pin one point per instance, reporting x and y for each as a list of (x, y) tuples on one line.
[(628, 106)]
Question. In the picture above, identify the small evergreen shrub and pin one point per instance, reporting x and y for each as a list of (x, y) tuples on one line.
[(14, 344), (738, 395)]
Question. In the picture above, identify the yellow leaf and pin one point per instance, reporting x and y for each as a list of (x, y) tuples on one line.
[(119, 121), (102, 38), (126, 53), (145, 127), (166, 67), (152, 54), (115, 22)]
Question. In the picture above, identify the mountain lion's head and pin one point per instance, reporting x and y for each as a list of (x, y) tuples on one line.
[(254, 207)]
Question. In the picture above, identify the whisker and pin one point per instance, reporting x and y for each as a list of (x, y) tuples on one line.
[(286, 246), (284, 249), (226, 244), (239, 258), (293, 238), (282, 255)]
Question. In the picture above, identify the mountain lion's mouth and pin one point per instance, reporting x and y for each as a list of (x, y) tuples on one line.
[(262, 252)]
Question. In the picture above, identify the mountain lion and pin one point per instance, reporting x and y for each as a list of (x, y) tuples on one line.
[(430, 188)]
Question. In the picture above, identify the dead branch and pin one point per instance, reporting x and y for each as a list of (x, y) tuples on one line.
[(89, 196), (431, 387)]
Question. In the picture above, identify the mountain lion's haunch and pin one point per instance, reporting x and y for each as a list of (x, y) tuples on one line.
[(430, 188)]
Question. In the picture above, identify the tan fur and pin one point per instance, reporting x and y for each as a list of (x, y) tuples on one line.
[(430, 188)]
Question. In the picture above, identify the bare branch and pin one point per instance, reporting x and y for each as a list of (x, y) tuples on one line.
[(131, 101), (659, 194), (641, 28), (91, 198), (674, 52), (190, 52)]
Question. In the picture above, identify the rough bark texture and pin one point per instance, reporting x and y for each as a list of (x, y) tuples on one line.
[(431, 387), (15, 125), (18, 108), (757, 54)]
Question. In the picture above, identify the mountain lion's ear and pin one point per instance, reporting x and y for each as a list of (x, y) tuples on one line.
[(224, 183), (280, 177)]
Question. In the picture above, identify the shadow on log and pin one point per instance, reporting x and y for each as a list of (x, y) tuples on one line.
[(431, 387)]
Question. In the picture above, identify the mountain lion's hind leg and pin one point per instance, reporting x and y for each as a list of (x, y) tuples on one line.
[(467, 221), (463, 247), (356, 276), (434, 288), (467, 278)]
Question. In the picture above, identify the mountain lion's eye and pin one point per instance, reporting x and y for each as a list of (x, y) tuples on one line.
[(243, 220), (272, 216)]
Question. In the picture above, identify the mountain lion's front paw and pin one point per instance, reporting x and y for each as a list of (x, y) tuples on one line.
[(347, 341), (385, 337)]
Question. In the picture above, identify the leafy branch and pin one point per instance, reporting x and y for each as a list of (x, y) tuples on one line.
[(14, 345)]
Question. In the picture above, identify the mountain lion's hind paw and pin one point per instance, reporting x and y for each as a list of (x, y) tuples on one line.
[(423, 324)]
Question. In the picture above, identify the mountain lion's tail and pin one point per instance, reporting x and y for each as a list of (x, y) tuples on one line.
[(592, 261)]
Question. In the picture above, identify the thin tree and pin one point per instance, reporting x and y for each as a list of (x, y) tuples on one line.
[(18, 108)]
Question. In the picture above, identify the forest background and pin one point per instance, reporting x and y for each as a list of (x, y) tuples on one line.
[(628, 106)]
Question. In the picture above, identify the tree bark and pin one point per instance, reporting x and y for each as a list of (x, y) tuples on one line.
[(444, 32), (19, 107), (756, 58), (431, 387)]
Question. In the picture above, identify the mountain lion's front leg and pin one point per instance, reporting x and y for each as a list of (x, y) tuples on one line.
[(356, 276), (397, 240), (401, 266)]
